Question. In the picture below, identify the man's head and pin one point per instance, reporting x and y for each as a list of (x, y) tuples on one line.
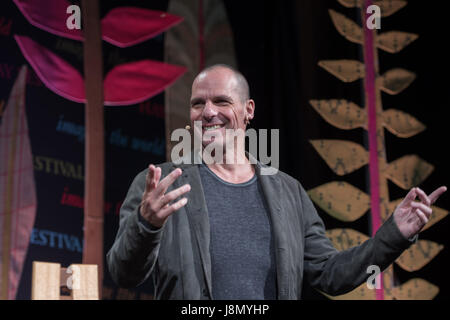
[(220, 100)]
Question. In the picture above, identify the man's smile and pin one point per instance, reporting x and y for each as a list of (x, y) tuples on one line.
[(209, 127)]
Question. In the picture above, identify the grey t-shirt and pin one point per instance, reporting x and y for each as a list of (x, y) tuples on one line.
[(241, 247)]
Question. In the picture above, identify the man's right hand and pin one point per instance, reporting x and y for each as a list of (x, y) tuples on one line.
[(155, 205)]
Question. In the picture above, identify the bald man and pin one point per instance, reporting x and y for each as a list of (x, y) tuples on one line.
[(223, 230)]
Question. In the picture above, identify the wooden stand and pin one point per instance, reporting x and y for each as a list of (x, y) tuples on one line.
[(50, 282)]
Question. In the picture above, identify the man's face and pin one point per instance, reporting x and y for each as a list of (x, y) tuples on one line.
[(216, 102)]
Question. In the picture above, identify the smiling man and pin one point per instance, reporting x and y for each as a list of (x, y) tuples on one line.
[(221, 102), (236, 233)]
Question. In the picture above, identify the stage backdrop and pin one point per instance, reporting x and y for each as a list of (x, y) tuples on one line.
[(277, 45)]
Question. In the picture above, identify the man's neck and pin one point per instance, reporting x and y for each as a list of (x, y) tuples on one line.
[(234, 171)]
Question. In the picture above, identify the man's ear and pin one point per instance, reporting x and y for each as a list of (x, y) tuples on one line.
[(250, 108)]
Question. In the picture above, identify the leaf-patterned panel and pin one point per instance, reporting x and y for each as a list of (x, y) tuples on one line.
[(395, 80), (360, 293), (344, 70), (346, 27), (350, 3), (387, 7), (418, 255), (395, 41), (401, 124), (341, 200), (341, 156), (415, 289), (408, 171), (341, 113)]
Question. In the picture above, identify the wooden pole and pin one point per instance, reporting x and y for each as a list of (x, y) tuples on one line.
[(94, 148)]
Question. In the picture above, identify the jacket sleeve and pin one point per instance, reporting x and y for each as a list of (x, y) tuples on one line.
[(135, 250), (335, 272)]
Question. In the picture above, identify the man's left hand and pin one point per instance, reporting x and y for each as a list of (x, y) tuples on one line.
[(411, 215)]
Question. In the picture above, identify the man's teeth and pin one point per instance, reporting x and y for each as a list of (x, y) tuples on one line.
[(218, 126)]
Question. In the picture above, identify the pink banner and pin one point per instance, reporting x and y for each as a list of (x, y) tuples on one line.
[(122, 26)]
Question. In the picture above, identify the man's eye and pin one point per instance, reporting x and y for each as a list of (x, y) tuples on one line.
[(222, 103)]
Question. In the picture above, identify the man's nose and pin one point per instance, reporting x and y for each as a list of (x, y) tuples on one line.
[(209, 110)]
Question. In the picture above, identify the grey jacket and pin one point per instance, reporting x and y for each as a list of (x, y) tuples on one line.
[(177, 255)]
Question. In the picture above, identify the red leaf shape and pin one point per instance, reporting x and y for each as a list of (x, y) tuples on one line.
[(50, 16), (127, 26), (58, 75), (138, 81), (125, 84)]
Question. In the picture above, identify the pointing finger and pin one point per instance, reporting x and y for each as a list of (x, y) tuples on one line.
[(437, 193)]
